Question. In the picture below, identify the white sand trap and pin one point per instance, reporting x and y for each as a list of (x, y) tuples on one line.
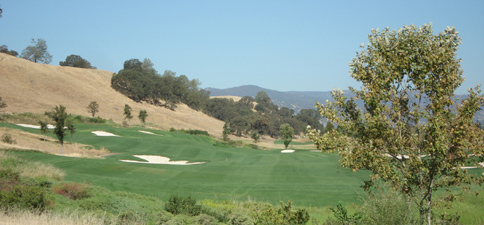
[(104, 134), (146, 132), (156, 159), (287, 151), (36, 126), (473, 167)]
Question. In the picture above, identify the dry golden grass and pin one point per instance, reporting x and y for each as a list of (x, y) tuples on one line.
[(32, 87), (48, 218), (235, 98), (30, 141)]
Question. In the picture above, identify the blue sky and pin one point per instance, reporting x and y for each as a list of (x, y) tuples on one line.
[(280, 45)]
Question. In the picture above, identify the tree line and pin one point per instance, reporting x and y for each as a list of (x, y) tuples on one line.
[(139, 81)]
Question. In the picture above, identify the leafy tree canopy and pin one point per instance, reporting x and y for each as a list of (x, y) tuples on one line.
[(76, 61), (37, 52), (4, 49), (411, 132)]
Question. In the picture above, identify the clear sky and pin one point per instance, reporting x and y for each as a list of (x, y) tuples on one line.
[(282, 45)]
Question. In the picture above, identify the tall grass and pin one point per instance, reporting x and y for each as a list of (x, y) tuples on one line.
[(30, 169), (50, 218)]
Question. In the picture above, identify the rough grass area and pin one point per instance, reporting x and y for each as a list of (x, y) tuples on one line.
[(32, 139), (32, 169)]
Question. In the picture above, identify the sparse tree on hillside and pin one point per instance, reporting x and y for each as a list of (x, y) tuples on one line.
[(93, 108), (142, 115), (37, 52), (76, 61), (411, 132), (63, 123), (286, 132), (4, 49), (127, 112)]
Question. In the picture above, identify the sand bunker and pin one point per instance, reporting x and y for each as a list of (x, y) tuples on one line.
[(287, 151), (156, 159), (146, 132), (35, 126), (104, 134)]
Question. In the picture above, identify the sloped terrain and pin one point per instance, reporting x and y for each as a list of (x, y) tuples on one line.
[(32, 87)]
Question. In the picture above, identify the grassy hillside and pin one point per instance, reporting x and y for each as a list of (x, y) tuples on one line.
[(32, 87)]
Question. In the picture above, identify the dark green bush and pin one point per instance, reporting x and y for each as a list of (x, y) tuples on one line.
[(183, 205), (98, 120)]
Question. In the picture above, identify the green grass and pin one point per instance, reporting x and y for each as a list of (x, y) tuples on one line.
[(304, 177)]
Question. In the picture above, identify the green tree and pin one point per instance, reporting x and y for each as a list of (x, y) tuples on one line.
[(411, 132), (262, 97), (142, 115), (76, 61), (93, 108), (37, 52), (63, 123), (127, 112), (226, 131), (4, 49), (255, 135), (286, 132)]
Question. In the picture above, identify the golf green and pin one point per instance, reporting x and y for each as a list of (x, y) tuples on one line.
[(307, 178)]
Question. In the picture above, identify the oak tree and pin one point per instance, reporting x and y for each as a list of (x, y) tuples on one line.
[(93, 108), (37, 52), (411, 131)]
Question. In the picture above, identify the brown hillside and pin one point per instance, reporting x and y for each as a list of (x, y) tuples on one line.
[(31, 87)]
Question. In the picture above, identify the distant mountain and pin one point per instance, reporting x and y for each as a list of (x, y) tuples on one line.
[(297, 100)]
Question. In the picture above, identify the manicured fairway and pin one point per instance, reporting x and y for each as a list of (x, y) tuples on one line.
[(304, 177)]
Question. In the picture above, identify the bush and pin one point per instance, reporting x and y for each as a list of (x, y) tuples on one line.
[(17, 194), (342, 216), (72, 190), (182, 205), (98, 120), (7, 138), (386, 206)]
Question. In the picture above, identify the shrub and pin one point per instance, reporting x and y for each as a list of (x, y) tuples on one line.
[(182, 205), (7, 138), (72, 190), (17, 194), (97, 120), (342, 216)]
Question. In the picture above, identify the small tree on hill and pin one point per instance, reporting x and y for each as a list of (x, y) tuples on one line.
[(37, 52), (226, 131), (411, 132), (63, 123), (286, 132), (142, 115), (4, 49), (93, 108), (76, 61), (127, 112)]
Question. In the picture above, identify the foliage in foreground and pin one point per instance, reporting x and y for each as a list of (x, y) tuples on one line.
[(411, 132)]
